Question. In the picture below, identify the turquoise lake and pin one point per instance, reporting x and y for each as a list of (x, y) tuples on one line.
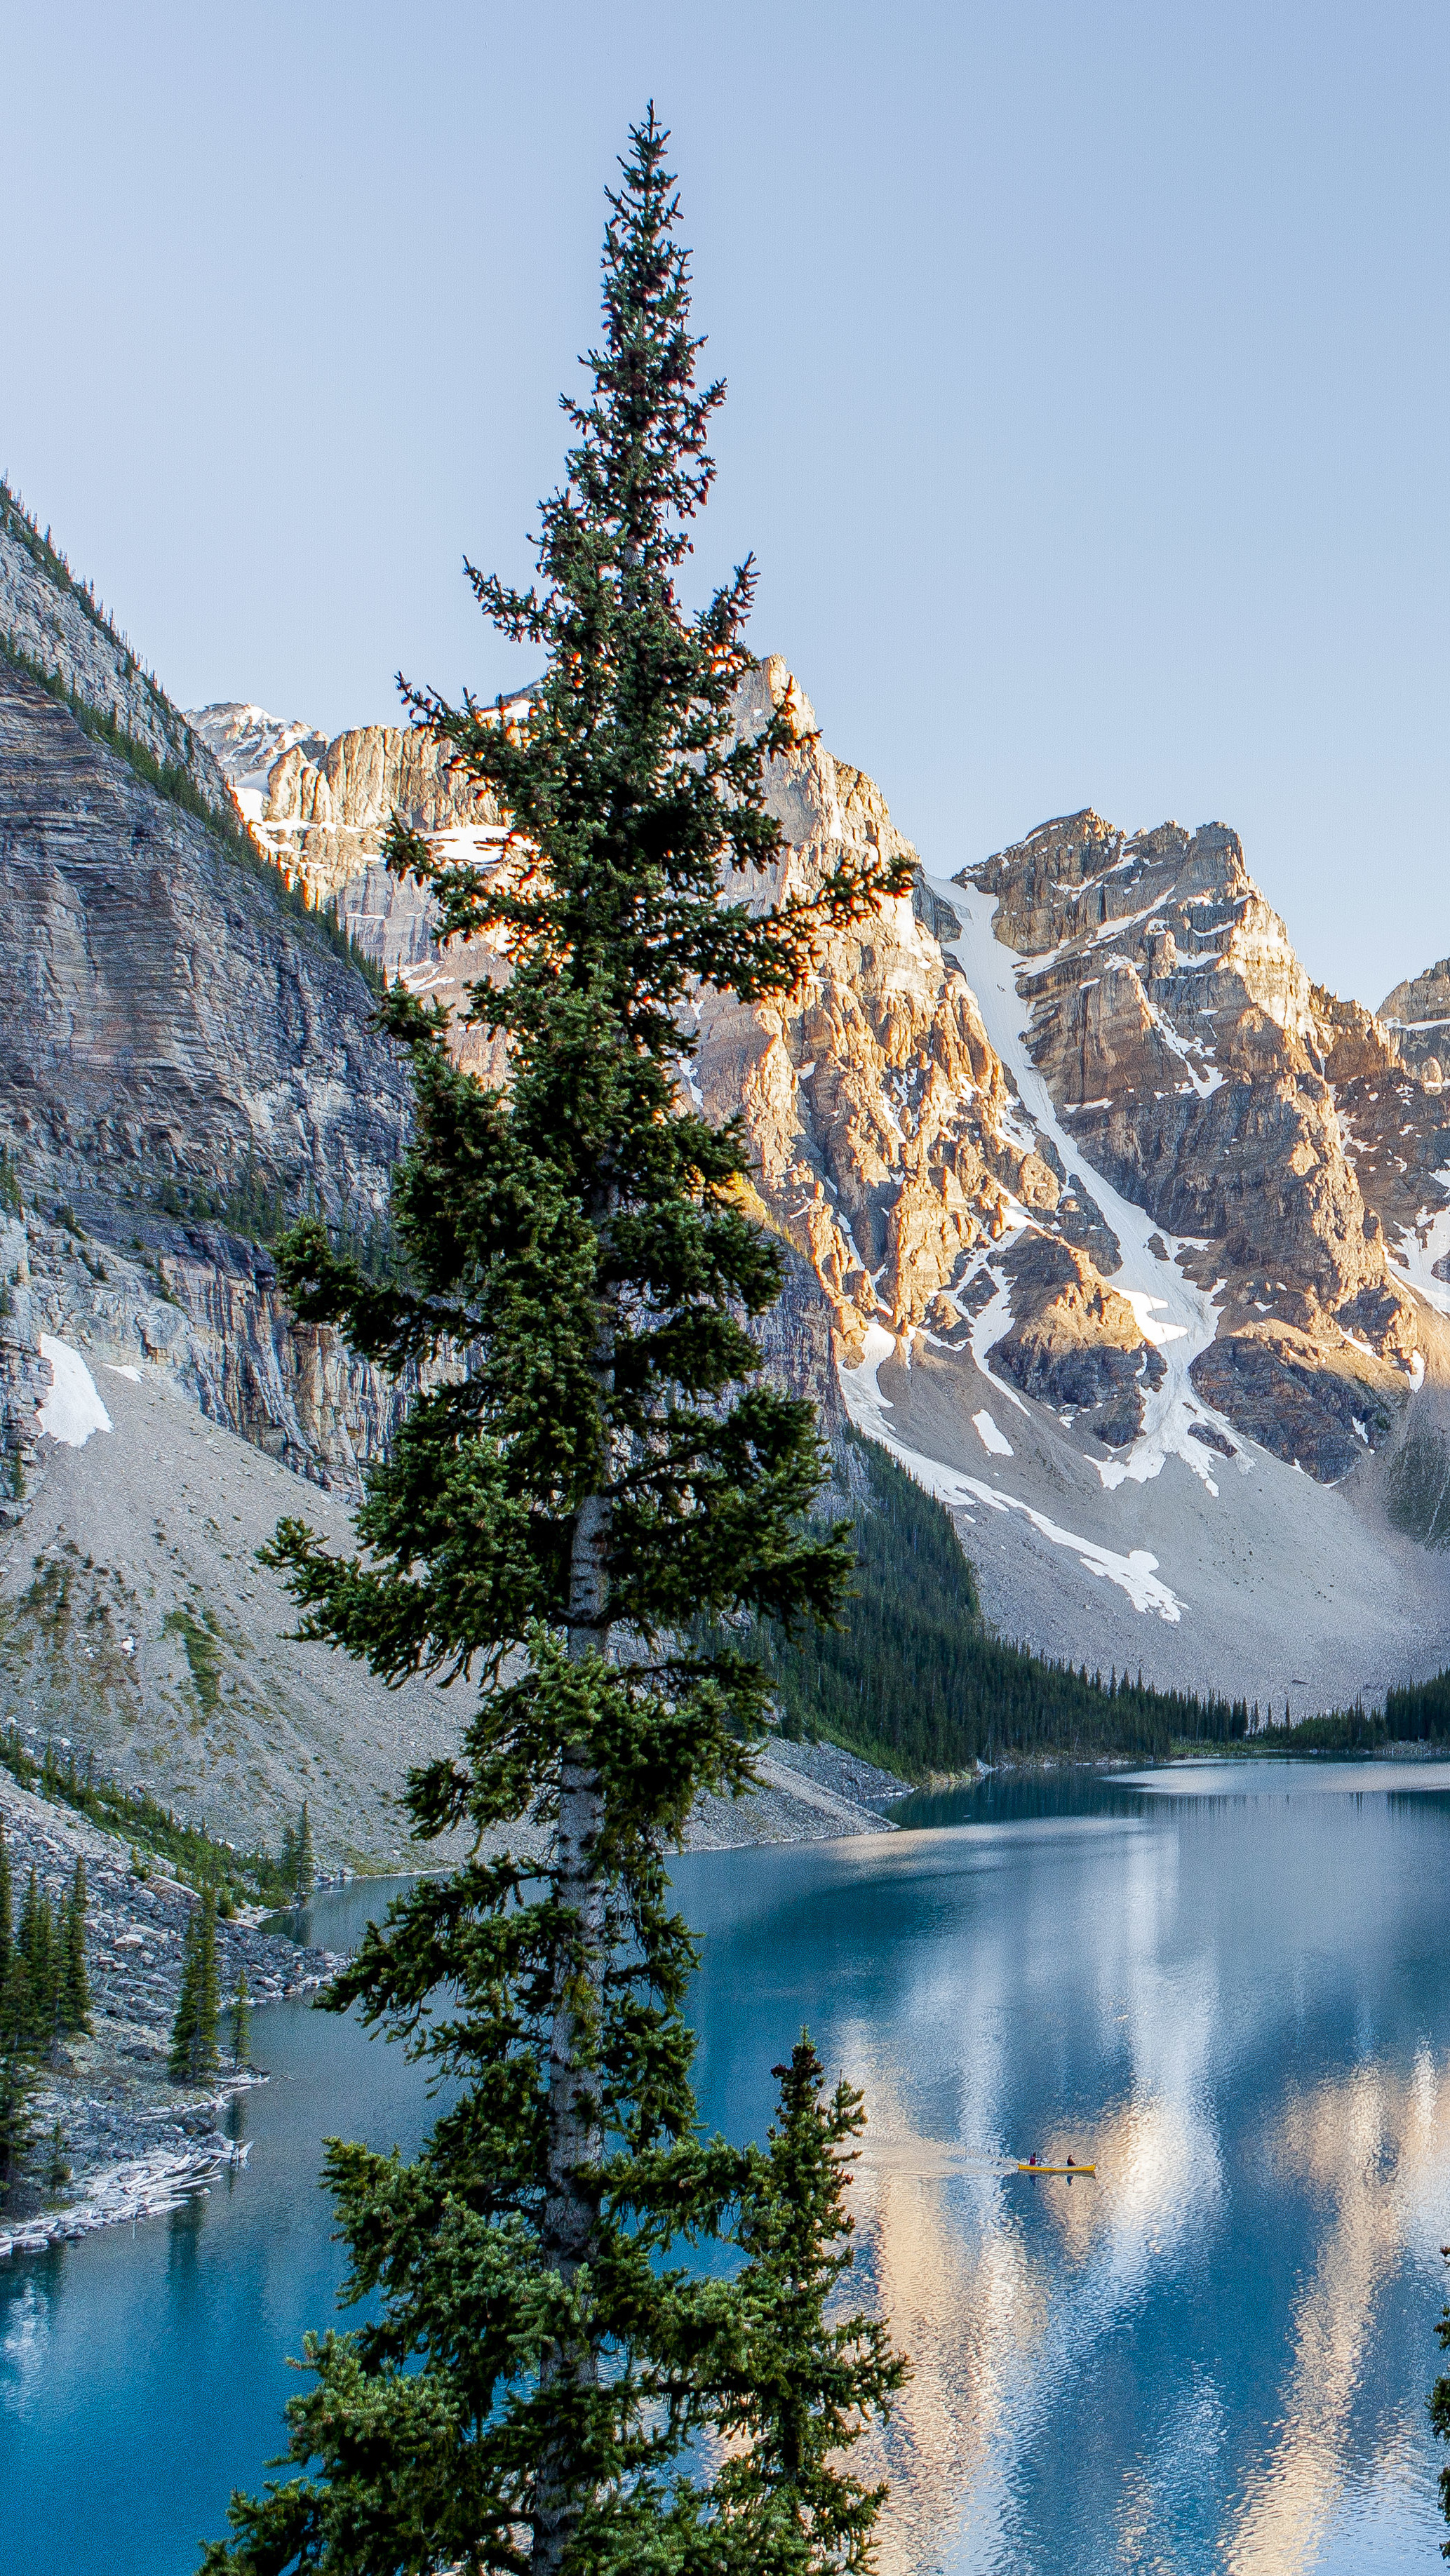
[(1228, 1984)]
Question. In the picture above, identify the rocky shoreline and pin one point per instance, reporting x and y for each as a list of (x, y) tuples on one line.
[(135, 2145), (132, 2142)]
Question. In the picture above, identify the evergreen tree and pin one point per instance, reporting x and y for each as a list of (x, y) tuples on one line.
[(194, 2053), (75, 2002), (598, 1467), (240, 2020), (26, 1930), (7, 1916), (37, 1947), (15, 2005), (1439, 2410), (302, 1867), (17, 2083), (802, 2389), (183, 2025)]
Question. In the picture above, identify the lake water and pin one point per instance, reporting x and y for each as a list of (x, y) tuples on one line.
[(1227, 1984)]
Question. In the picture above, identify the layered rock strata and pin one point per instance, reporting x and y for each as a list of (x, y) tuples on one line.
[(56, 624), (890, 1153), (165, 1018), (172, 1037), (887, 1145)]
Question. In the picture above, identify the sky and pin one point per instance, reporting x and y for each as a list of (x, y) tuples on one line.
[(1087, 365)]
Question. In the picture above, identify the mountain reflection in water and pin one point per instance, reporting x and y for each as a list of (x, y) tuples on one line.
[(1226, 1985)]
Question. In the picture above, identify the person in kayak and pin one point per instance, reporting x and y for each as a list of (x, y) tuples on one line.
[(1069, 2160)]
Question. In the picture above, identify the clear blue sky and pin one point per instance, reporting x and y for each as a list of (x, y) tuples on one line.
[(1087, 379)]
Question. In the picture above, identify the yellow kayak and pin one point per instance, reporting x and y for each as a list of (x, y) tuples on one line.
[(1055, 2169)]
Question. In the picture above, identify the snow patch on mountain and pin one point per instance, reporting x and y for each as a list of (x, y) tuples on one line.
[(1180, 1318), (1423, 1252), (1135, 1574), (72, 1409), (246, 742)]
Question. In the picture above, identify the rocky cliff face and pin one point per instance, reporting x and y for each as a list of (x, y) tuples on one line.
[(247, 743), (1418, 1014), (321, 811), (166, 1019), (55, 623), (893, 1150), (1205, 1076), (174, 1040)]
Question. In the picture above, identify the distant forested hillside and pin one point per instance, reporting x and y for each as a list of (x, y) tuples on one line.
[(915, 1678)]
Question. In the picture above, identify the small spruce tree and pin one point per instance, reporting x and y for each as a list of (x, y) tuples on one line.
[(303, 1865), (75, 2008), (801, 2389), (183, 2025), (193, 2056), (57, 2171), (7, 1915), (597, 1472), (239, 2021)]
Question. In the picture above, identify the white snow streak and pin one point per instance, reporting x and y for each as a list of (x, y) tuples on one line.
[(1135, 1574), (991, 1327), (1172, 1311), (1420, 1246), (72, 1410), (991, 1438)]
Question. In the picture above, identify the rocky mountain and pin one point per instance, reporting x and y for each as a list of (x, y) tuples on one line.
[(1111, 1223), (1121, 1232), (247, 743), (1418, 1014), (321, 810)]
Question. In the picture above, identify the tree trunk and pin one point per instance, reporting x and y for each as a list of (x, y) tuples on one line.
[(575, 2135)]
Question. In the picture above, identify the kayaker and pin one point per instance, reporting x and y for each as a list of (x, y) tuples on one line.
[(1069, 2160), (1032, 2159)]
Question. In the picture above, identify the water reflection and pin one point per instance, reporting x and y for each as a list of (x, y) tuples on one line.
[(1226, 1985), (1229, 1993), (23, 2346)]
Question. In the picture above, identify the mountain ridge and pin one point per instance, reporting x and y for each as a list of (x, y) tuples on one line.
[(1090, 1270)]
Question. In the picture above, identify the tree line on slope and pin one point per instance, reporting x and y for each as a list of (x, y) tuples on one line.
[(173, 780), (914, 1678), (156, 1834)]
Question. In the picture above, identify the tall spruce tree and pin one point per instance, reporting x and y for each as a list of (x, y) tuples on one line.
[(598, 1467), (37, 1948), (304, 1867), (183, 2022), (17, 2132)]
